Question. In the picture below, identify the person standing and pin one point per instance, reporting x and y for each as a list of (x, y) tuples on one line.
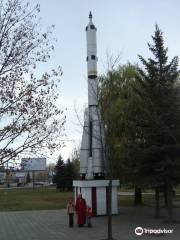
[(70, 212), (81, 210), (89, 216)]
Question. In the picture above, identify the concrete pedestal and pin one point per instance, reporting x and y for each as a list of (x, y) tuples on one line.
[(95, 194)]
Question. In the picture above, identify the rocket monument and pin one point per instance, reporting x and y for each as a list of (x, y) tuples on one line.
[(92, 150), (93, 185)]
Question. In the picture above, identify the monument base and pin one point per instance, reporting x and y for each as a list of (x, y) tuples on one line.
[(95, 193)]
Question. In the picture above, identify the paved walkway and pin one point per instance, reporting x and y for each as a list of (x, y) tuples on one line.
[(52, 225)]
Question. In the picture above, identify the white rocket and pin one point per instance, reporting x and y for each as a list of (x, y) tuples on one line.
[(92, 150)]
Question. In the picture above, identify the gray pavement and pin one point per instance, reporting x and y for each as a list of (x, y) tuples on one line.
[(52, 225)]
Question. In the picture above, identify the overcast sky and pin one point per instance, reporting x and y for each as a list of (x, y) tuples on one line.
[(123, 28)]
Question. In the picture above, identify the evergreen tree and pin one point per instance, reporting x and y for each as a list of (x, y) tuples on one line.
[(65, 173), (70, 174), (59, 177), (28, 178), (157, 132)]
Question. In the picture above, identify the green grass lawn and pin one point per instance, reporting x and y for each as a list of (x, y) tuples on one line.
[(50, 198), (33, 199), (148, 200)]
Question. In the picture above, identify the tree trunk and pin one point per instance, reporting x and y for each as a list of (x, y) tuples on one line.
[(33, 179), (137, 196), (110, 211), (157, 208), (169, 201), (165, 197)]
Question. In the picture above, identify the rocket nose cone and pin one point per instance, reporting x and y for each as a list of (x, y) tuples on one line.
[(90, 15), (90, 25)]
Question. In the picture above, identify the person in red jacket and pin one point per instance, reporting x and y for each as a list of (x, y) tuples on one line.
[(80, 210)]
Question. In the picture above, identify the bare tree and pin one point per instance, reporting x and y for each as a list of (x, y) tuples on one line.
[(29, 117)]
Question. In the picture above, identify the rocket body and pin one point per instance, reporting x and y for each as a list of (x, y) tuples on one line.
[(92, 150), (91, 63)]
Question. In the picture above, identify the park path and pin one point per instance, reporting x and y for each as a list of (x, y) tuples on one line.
[(52, 225)]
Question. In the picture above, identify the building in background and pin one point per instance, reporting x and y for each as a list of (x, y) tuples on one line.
[(36, 170), (33, 164)]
